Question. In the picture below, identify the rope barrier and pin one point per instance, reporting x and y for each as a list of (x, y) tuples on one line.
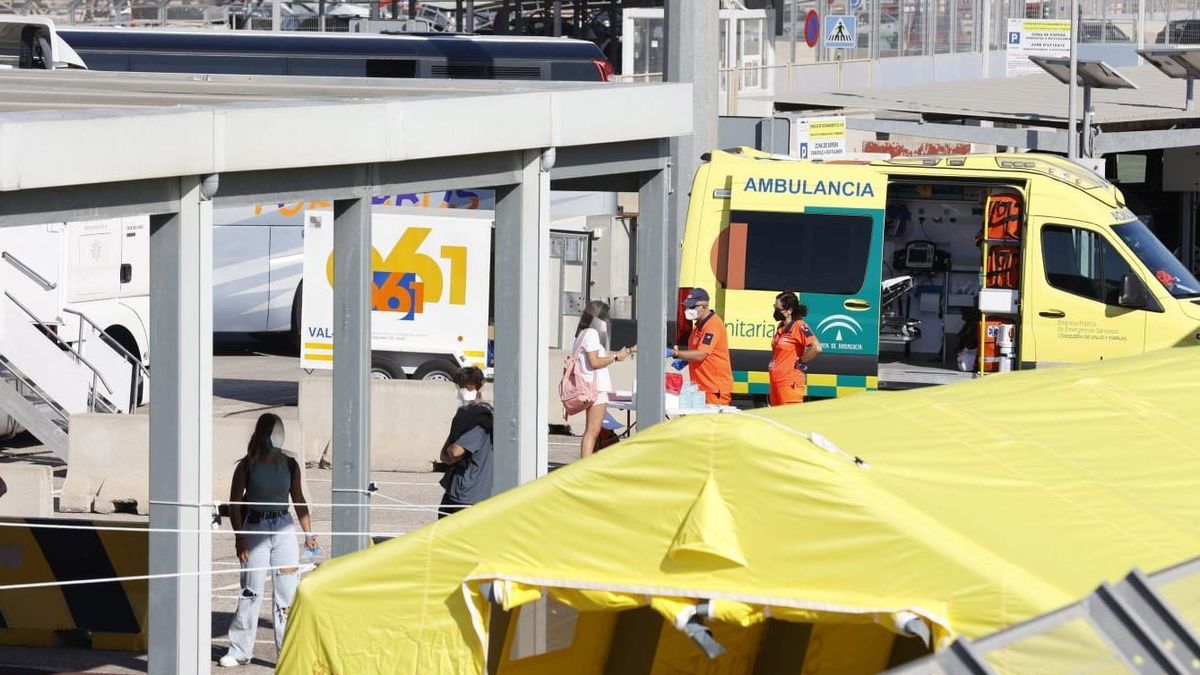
[(377, 482), (147, 577), (171, 530), (400, 505)]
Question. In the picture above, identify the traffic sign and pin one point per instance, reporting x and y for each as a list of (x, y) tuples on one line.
[(841, 30), (812, 28)]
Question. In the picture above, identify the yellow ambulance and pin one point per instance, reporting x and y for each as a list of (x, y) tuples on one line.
[(928, 270)]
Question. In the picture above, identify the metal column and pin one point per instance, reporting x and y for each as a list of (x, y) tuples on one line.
[(653, 273), (522, 324), (351, 443), (180, 630), (692, 36)]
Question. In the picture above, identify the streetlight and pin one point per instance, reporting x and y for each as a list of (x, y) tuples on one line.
[(1092, 74)]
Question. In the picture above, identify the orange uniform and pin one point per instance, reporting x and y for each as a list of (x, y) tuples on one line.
[(788, 381), (714, 375)]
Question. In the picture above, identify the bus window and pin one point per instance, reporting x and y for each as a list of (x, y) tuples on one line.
[(391, 68), (326, 67), (802, 252)]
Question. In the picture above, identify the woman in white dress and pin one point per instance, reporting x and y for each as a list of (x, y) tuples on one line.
[(591, 340)]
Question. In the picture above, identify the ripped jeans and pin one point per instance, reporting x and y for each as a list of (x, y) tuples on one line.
[(272, 544)]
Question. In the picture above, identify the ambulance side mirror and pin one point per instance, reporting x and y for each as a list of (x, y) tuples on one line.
[(1133, 293)]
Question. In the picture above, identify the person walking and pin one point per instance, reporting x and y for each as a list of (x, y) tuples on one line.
[(793, 346), (468, 447), (707, 354), (262, 484), (591, 340)]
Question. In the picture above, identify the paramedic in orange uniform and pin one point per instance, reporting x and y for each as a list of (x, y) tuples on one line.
[(707, 354), (793, 346)]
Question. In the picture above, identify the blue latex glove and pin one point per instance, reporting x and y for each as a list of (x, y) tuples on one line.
[(669, 353), (679, 364)]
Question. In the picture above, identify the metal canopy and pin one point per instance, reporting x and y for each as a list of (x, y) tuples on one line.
[(83, 145), (171, 125), (1026, 99), (1180, 63), (1091, 73), (1028, 111)]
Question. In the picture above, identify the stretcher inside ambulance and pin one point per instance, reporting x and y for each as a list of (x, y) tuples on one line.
[(929, 270)]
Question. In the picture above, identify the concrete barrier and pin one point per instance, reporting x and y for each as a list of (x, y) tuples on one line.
[(110, 459), (30, 491), (106, 615), (409, 420)]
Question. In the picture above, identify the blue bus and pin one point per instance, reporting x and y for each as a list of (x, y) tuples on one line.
[(410, 55)]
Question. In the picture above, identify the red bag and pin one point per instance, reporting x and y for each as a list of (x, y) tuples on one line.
[(1004, 217), (674, 383), (1004, 267), (576, 392)]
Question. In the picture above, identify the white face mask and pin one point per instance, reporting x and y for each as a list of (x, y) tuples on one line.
[(465, 396), (277, 437), (691, 314), (600, 325)]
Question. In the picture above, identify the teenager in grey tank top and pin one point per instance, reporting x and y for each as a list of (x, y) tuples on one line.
[(264, 483)]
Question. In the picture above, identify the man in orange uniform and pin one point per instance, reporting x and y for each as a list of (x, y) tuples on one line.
[(793, 346), (708, 350)]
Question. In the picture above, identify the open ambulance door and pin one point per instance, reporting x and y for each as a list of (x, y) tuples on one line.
[(816, 229)]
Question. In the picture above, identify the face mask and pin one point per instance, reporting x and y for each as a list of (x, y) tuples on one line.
[(277, 437), (465, 396), (600, 325), (778, 315), (691, 314)]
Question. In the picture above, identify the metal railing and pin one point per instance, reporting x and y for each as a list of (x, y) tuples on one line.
[(24, 386), (97, 377), (138, 374), (1138, 624), (28, 271)]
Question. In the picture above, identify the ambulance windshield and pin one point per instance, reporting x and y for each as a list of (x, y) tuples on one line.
[(1171, 273)]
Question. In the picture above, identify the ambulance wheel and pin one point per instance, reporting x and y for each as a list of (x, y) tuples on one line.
[(437, 371), (386, 366)]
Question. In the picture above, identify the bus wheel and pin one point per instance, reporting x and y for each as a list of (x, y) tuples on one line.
[(297, 315), (386, 366), (437, 371)]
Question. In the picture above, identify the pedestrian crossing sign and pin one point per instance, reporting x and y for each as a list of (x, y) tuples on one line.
[(841, 31)]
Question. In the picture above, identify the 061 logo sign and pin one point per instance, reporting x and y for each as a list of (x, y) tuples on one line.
[(407, 279)]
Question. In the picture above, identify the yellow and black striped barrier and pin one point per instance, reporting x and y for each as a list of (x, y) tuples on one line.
[(106, 615)]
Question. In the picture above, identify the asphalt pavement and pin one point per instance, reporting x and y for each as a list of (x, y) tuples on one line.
[(249, 377)]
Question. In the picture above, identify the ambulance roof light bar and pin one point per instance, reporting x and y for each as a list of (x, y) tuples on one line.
[(1179, 63)]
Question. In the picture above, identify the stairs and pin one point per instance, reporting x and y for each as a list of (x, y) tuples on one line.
[(33, 409), (44, 379)]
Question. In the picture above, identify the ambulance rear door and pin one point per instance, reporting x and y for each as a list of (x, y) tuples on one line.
[(816, 229)]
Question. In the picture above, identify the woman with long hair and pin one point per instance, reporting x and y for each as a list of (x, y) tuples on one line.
[(263, 482), (591, 341), (793, 346)]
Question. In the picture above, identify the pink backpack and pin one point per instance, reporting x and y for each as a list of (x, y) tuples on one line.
[(575, 391)]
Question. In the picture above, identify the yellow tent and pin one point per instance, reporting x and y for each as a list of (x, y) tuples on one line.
[(969, 508)]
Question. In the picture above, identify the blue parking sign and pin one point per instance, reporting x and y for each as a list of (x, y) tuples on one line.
[(1014, 38), (841, 31)]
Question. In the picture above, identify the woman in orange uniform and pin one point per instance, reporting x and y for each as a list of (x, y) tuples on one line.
[(793, 346)]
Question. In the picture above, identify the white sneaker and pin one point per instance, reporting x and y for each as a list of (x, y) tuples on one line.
[(228, 661)]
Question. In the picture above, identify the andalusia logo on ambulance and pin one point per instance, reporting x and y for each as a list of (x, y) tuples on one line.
[(840, 331)]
